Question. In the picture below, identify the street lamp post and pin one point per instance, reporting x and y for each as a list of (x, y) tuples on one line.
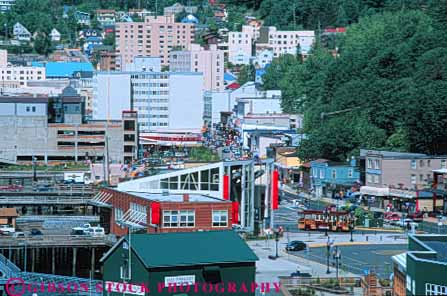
[(277, 241), (351, 227), (328, 250), (337, 257)]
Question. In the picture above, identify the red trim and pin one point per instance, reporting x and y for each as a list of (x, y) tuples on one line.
[(275, 177), (235, 212), (226, 187), (155, 207)]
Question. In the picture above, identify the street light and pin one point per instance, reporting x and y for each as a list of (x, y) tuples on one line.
[(328, 250), (351, 227), (337, 256), (277, 241)]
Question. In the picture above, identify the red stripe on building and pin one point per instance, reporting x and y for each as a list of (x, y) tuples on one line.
[(235, 212), (226, 187), (155, 207)]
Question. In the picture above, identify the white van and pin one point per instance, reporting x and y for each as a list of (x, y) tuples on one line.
[(96, 231)]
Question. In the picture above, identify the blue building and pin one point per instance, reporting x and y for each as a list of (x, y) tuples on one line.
[(56, 70), (334, 179)]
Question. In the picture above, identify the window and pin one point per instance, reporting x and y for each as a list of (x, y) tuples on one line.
[(413, 179), (370, 164), (369, 178), (421, 163), (27, 109), (184, 218), (431, 289), (220, 218), (315, 173), (413, 164), (118, 214), (375, 179), (428, 162), (421, 178), (443, 164), (334, 174), (350, 173), (321, 174), (376, 164)]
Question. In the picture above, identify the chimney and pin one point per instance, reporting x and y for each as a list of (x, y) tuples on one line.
[(185, 197)]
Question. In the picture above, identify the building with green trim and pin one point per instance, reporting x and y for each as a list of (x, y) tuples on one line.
[(423, 269), (182, 264)]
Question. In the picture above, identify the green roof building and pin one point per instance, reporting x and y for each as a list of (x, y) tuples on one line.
[(423, 269), (188, 263)]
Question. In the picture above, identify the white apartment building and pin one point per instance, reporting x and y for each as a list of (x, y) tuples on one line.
[(21, 74), (240, 45), (163, 100), (285, 42), (210, 62)]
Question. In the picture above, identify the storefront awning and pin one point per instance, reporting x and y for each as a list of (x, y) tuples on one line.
[(375, 191)]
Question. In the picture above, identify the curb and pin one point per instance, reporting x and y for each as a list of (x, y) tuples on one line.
[(319, 245), (379, 229)]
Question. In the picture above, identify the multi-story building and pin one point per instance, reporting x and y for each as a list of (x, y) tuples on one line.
[(21, 33), (154, 37), (22, 74), (405, 176), (5, 5), (108, 61), (106, 16), (240, 45), (334, 179), (263, 58), (421, 270), (3, 58), (160, 98), (178, 8), (209, 61), (144, 64), (285, 42), (33, 128)]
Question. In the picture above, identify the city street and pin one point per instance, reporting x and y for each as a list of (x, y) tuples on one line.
[(359, 259)]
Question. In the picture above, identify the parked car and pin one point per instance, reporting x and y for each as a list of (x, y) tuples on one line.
[(96, 231), (35, 232), (296, 246), (19, 234), (6, 229), (301, 274), (78, 231), (391, 218)]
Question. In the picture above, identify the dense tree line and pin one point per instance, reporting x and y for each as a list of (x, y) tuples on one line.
[(386, 89)]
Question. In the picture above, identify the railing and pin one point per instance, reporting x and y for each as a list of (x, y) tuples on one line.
[(26, 200)]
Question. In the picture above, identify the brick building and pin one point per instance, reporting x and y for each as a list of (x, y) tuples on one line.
[(120, 210)]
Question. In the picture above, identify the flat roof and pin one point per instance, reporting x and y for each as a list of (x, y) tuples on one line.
[(24, 99), (174, 197), (440, 247)]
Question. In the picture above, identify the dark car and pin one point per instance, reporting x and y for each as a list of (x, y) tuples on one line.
[(300, 274), (36, 232), (296, 246)]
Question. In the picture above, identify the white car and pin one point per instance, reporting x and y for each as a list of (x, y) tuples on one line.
[(7, 229)]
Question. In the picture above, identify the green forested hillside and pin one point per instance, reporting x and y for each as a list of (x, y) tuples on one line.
[(386, 89)]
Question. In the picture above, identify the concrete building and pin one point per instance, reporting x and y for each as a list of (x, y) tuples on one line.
[(5, 5), (160, 98), (249, 100), (108, 61), (21, 74), (144, 64), (209, 61), (214, 103), (263, 58), (154, 37), (421, 270), (240, 45), (3, 58), (285, 42), (111, 95), (29, 132), (82, 18), (106, 16), (178, 8), (401, 180), (211, 259)]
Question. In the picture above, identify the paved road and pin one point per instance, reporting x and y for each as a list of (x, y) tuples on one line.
[(357, 259)]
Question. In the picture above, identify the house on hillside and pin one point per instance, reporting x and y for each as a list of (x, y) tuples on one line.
[(21, 33), (55, 35)]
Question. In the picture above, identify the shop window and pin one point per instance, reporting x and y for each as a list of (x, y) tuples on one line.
[(220, 218)]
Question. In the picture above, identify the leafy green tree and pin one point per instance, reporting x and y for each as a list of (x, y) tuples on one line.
[(42, 43), (246, 73)]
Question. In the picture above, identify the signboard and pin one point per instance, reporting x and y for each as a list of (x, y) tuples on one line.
[(402, 193), (181, 280), (125, 288)]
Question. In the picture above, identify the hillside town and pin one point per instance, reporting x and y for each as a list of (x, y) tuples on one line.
[(223, 147)]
